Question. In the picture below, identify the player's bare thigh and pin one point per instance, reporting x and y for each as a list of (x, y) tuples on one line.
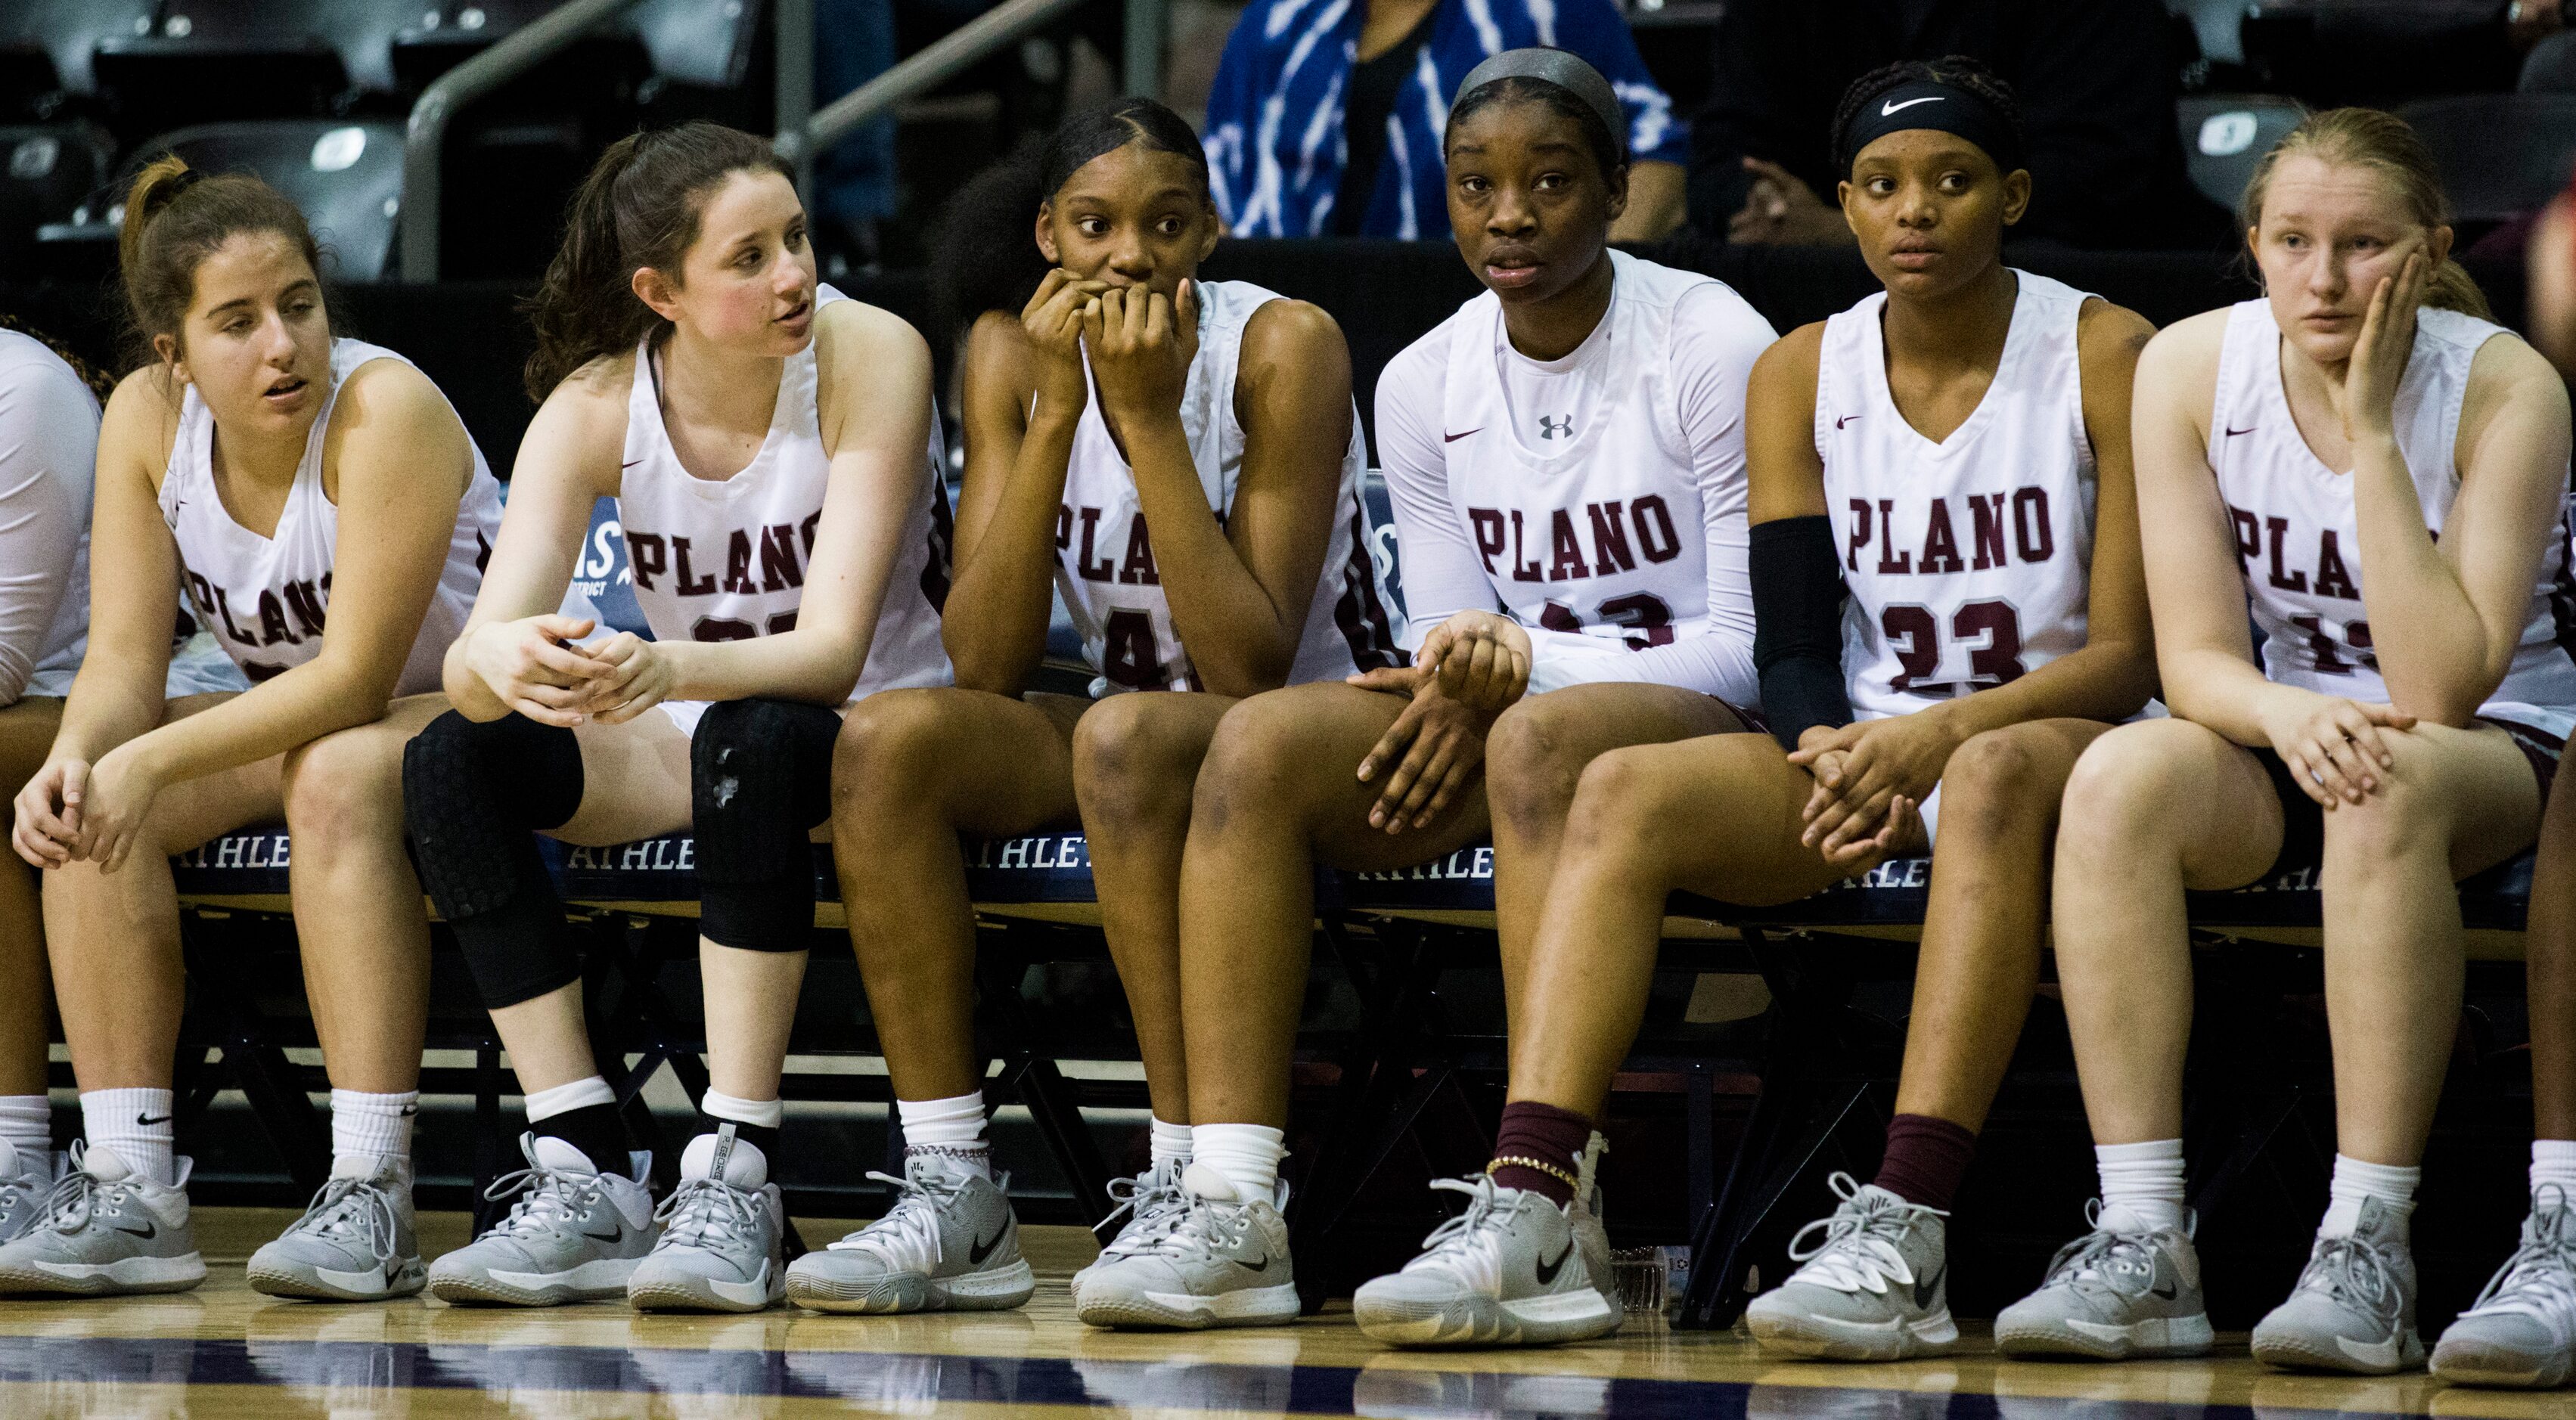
[(1298, 750), (1540, 746), (1720, 815)]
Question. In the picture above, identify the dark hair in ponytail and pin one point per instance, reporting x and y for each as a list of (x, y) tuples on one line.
[(988, 253), (639, 207), (176, 217)]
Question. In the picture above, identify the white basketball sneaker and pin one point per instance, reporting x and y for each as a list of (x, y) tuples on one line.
[(2111, 1295), (1152, 1201), (723, 1234), (1515, 1269), (354, 1243), (2354, 1307), (1224, 1262), (1874, 1287), (27, 1177), (949, 1243), (2522, 1331), (574, 1235), (106, 1231)]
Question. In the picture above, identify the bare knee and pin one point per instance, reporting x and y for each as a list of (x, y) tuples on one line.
[(1532, 767), (890, 750), (2122, 789), (1997, 788), (2405, 818), (345, 787), (1625, 804), (1135, 759), (1258, 762)]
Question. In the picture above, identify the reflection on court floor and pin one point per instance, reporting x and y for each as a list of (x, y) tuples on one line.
[(225, 1352)]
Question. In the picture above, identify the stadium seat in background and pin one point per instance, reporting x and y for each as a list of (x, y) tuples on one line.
[(2225, 135), (2501, 155), (45, 171), (2550, 68), (207, 61), (2377, 52), (346, 176), (65, 34), (2215, 23), (703, 42)]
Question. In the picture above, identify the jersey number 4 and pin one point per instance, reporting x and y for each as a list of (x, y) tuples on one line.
[(1915, 635)]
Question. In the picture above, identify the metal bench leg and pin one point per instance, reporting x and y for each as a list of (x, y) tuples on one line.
[(271, 1083), (1051, 1100)]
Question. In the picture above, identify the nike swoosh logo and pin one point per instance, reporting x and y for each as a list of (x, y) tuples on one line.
[(975, 1255), (1453, 438), (1262, 1266), (2248, 429), (1844, 419), (748, 1294), (1547, 1270), (1924, 1290), (613, 1236), (630, 463), (2167, 1292), (147, 1121), (1884, 109), (2369, 1353), (147, 1231)]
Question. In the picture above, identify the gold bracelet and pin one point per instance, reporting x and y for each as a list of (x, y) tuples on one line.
[(1524, 1162)]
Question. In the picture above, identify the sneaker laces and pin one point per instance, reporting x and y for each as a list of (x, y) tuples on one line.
[(351, 1210), (2355, 1272), (79, 1195), (2539, 1280), (1151, 1201), (1860, 1250), (1203, 1229), (709, 1213), (1469, 1246), (2104, 1257), (909, 1231), (548, 1199)]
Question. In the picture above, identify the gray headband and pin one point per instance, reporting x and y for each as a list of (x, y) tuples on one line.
[(1564, 69)]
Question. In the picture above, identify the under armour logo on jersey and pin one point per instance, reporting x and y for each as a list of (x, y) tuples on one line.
[(1549, 428)]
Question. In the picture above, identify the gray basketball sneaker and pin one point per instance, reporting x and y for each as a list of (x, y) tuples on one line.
[(106, 1231), (2354, 1307), (949, 1243), (2112, 1295), (355, 1241), (1513, 1270), (27, 1177), (1152, 1202), (575, 1234), (1224, 1262), (1875, 1287), (2522, 1331), (723, 1232)]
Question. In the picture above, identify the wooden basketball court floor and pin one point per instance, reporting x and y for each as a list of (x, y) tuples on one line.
[(225, 1351)]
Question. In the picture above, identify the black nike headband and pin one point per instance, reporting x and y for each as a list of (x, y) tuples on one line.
[(1566, 71), (1929, 103)]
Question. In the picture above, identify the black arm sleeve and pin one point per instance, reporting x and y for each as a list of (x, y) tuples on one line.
[(1797, 625)]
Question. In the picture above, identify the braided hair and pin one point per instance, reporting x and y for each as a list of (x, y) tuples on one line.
[(1957, 70), (99, 381)]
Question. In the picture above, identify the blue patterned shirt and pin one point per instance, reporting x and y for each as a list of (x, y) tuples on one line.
[(1275, 143)]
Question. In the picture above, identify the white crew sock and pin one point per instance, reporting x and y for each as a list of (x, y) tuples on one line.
[(2553, 1162), (27, 1122), (1171, 1145), (2142, 1185), (134, 1125), (760, 1114), (1247, 1155), (364, 1124), (2355, 1181), (952, 1128), (563, 1099)]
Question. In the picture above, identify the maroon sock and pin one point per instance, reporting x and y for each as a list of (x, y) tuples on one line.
[(1550, 1135), (1926, 1158)]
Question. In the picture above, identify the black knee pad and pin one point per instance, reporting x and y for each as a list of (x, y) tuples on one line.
[(472, 793), (760, 779)]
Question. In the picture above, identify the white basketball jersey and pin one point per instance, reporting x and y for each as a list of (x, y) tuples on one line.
[(264, 598), (1105, 557), (2299, 539), (1969, 561), (725, 559), (1587, 524)]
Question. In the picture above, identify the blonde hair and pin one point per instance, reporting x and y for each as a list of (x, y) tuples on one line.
[(2382, 142)]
